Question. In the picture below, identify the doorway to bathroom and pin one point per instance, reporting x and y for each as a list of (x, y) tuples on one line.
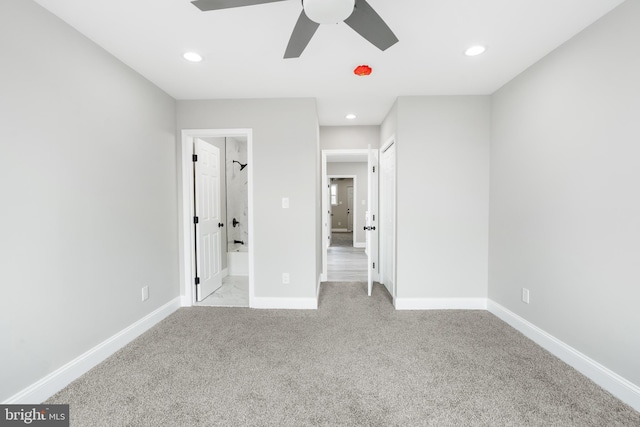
[(216, 244)]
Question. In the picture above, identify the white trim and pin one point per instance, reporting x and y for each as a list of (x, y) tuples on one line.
[(285, 303), (46, 387), (324, 216), (339, 230), (620, 387), (360, 245), (440, 303), (185, 195)]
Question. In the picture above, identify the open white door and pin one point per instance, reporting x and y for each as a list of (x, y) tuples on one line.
[(372, 218), (207, 219)]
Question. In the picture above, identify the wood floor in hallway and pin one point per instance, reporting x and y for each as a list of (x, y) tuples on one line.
[(346, 264)]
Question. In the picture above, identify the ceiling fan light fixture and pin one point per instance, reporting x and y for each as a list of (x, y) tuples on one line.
[(475, 50), (192, 57), (328, 11)]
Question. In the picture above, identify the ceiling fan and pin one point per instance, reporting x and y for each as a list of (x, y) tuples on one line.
[(357, 14)]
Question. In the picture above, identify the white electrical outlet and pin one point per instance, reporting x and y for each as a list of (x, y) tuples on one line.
[(285, 278), (525, 295), (145, 293)]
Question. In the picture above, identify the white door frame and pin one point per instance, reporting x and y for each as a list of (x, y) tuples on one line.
[(185, 214), (358, 155), (384, 233)]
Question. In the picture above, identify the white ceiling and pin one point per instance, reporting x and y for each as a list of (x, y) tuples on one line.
[(243, 48)]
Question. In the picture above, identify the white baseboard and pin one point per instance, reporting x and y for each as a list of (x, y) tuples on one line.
[(285, 303), (604, 377), (339, 230), (57, 380), (360, 245), (440, 303)]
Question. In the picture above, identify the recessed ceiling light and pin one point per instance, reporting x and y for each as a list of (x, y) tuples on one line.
[(475, 50), (350, 116), (192, 57)]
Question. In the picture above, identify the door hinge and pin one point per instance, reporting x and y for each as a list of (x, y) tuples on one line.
[(374, 217), (194, 157), (197, 280), (374, 265), (374, 169), (195, 219)]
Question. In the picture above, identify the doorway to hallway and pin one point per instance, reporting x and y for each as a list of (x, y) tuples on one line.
[(345, 207)]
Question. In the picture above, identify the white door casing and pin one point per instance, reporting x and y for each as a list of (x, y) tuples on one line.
[(207, 210), (350, 209), (371, 226), (388, 216)]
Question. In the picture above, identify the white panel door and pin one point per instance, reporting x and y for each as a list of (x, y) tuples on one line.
[(207, 208), (372, 218)]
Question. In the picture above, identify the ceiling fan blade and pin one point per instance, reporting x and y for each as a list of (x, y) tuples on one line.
[(205, 5), (366, 22), (303, 31)]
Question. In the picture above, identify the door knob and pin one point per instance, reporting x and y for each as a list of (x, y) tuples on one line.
[(370, 228), (220, 225)]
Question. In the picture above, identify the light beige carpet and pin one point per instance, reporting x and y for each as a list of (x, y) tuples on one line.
[(353, 362)]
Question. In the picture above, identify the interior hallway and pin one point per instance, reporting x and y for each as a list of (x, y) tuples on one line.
[(344, 262)]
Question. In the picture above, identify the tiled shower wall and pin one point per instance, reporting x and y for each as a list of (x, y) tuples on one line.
[(237, 195)]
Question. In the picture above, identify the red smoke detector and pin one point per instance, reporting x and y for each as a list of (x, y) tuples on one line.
[(362, 70)]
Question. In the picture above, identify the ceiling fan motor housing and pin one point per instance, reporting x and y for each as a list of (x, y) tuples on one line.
[(328, 11)]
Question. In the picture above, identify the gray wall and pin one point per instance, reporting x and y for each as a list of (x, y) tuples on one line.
[(285, 164), (442, 195), (565, 199), (359, 169), (349, 137), (389, 127), (87, 178)]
